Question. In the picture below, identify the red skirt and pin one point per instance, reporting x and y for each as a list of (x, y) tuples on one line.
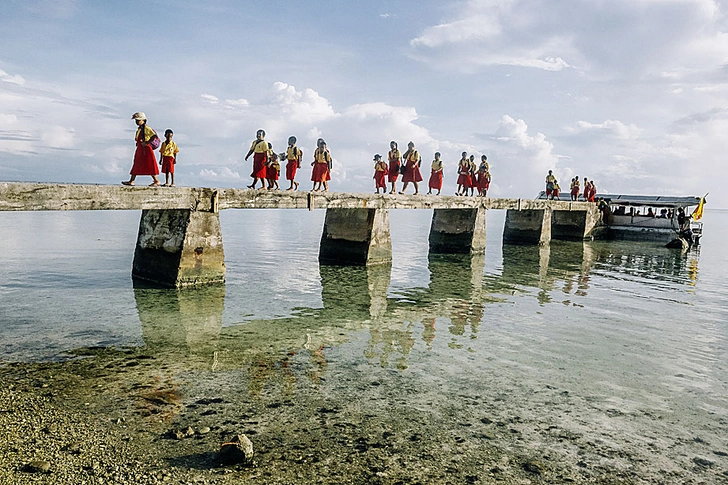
[(575, 191), (168, 164), (259, 165), (145, 163), (483, 182), (436, 180), (320, 172), (271, 173), (291, 168), (393, 171), (412, 173), (379, 179), (465, 180)]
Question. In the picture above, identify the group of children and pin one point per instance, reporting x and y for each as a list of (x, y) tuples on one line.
[(553, 189), (470, 176), (267, 164)]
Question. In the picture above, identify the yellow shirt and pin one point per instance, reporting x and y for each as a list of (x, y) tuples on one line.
[(261, 147), (413, 156), (169, 149), (293, 153), (464, 165), (380, 166), (322, 156), (437, 165), (148, 133), (394, 154), (550, 179)]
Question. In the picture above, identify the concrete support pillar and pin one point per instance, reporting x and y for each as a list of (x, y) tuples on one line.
[(527, 227), (457, 231), (574, 225), (356, 237), (179, 247)]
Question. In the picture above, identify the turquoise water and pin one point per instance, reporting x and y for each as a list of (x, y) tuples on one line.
[(625, 341)]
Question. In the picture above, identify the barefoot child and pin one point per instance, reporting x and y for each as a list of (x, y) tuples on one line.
[(436, 175), (273, 169), (168, 158), (394, 157), (259, 150), (380, 172), (293, 158), (483, 177), (321, 173), (464, 180)]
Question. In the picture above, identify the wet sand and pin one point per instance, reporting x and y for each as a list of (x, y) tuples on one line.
[(125, 416)]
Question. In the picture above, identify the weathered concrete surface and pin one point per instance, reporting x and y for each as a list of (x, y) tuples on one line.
[(178, 247), (39, 197), (356, 237), (25, 196), (527, 227), (457, 231), (574, 225)]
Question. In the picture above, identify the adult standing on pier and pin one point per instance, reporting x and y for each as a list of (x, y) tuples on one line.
[(260, 159), (394, 157), (412, 163), (145, 162)]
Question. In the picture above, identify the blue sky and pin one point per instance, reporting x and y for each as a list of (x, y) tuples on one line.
[(630, 93)]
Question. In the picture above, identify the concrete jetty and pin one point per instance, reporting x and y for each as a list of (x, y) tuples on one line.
[(180, 239)]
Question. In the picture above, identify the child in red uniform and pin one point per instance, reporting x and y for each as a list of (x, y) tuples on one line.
[(380, 171), (273, 169), (168, 158), (321, 173), (394, 165), (293, 158), (259, 147), (483, 177), (436, 175), (464, 179), (412, 164)]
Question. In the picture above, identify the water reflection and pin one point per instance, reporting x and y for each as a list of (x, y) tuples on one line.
[(452, 307), (571, 266), (181, 321)]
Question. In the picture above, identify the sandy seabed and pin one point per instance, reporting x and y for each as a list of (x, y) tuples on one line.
[(125, 417)]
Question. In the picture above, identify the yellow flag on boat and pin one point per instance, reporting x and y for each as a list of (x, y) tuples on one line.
[(698, 212)]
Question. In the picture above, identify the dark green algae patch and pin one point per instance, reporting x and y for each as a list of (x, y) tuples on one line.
[(127, 416)]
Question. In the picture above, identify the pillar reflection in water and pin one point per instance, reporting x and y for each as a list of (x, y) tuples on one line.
[(456, 288), (355, 292), (181, 321)]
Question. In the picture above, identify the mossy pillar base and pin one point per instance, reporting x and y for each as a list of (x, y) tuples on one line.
[(532, 227), (178, 247), (356, 237), (456, 231)]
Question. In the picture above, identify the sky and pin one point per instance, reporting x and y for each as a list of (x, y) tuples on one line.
[(632, 94)]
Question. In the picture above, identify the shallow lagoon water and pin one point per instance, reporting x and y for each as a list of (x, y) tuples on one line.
[(592, 360)]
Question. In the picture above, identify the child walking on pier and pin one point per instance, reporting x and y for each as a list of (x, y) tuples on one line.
[(380, 172), (293, 157), (436, 175), (273, 169), (168, 158)]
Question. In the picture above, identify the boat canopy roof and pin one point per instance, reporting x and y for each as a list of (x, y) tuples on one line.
[(643, 200)]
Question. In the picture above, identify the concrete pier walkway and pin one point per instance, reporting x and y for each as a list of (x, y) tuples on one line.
[(180, 239)]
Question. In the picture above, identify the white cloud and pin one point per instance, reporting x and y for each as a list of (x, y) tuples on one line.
[(646, 37), (209, 97), (16, 79), (610, 127), (58, 137)]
